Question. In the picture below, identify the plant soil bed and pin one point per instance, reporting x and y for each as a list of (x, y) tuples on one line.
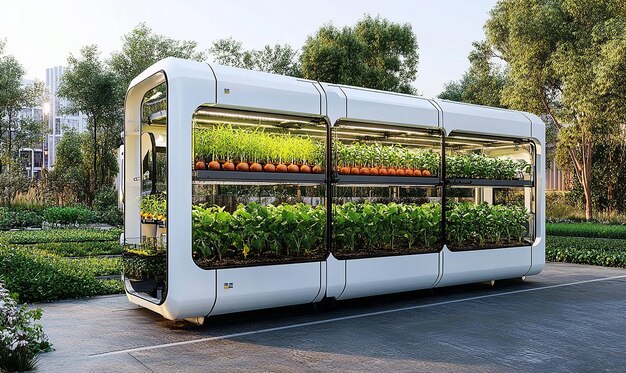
[(489, 245), (266, 259), (369, 253)]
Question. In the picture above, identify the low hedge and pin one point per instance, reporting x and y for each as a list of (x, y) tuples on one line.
[(38, 276), (596, 230), (59, 235), (19, 217), (80, 248), (98, 266), (581, 250)]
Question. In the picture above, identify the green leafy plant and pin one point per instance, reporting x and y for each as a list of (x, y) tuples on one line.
[(153, 207), (595, 251), (60, 235), (76, 249), (469, 225), (483, 167), (256, 231)]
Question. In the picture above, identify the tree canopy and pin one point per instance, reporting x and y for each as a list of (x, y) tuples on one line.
[(142, 48), (92, 88), (277, 59), (566, 59), (481, 84), (375, 53)]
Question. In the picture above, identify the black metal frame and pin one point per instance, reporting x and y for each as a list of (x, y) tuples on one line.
[(330, 178)]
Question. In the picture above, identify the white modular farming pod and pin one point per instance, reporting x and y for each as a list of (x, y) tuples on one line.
[(246, 190)]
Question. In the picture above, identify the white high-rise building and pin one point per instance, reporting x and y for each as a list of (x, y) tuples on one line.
[(32, 158), (57, 121)]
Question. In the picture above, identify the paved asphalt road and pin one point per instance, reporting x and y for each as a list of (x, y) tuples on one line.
[(570, 318)]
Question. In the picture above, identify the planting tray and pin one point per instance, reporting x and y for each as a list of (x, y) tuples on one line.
[(489, 182), (387, 180), (257, 177)]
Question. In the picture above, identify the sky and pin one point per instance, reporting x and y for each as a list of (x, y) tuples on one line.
[(42, 34)]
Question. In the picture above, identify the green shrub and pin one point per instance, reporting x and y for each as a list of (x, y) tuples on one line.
[(105, 199), (69, 215), (38, 276), (585, 243), (597, 230), (99, 266), (20, 339), (19, 218), (80, 248), (60, 235), (112, 216), (594, 251)]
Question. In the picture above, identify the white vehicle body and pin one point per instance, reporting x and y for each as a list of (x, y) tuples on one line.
[(194, 292)]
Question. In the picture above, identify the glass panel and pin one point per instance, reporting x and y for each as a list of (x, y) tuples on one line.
[(145, 263), (387, 199), (490, 198), (259, 192)]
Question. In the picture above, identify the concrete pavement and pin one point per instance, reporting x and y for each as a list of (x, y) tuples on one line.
[(570, 318)]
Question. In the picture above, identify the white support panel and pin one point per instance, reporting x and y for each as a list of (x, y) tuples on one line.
[(392, 274), (190, 289), (385, 107), (335, 277), (254, 90), (323, 278), (483, 120), (539, 247), (250, 288), (335, 103), (464, 267)]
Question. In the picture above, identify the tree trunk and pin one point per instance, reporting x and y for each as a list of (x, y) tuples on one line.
[(587, 149), (95, 160), (588, 211)]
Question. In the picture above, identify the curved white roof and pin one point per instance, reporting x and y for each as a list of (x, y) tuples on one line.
[(261, 91)]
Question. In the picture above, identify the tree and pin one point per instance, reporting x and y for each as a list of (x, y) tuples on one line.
[(16, 131), (95, 90), (481, 84), (375, 53), (142, 48), (566, 60), (277, 59), (69, 179)]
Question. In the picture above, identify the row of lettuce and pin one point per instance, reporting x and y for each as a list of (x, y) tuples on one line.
[(227, 148), (255, 232)]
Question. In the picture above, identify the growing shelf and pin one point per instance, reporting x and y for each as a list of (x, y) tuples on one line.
[(206, 176), (490, 183), (360, 180)]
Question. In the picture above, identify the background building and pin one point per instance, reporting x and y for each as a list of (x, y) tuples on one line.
[(57, 120)]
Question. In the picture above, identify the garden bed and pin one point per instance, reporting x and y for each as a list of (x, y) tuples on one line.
[(597, 230), (583, 250)]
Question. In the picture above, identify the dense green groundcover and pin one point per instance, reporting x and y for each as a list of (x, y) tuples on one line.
[(76, 249), (39, 276), (595, 251), (22, 217), (59, 235), (597, 230)]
